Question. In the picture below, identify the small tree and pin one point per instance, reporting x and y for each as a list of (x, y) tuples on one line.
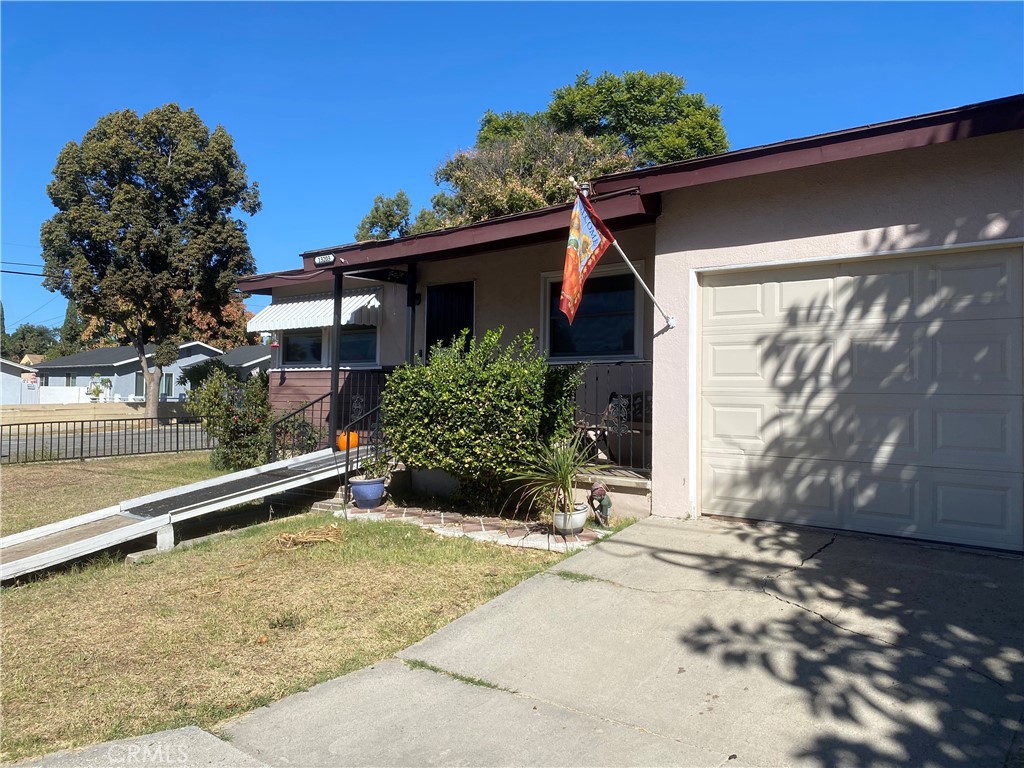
[(477, 411), (237, 415)]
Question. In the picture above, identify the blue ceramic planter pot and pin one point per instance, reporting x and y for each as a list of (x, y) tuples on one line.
[(367, 493)]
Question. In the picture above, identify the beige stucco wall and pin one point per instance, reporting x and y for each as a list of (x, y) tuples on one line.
[(950, 194), (508, 287)]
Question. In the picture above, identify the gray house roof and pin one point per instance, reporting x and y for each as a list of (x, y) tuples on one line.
[(108, 356), (241, 357)]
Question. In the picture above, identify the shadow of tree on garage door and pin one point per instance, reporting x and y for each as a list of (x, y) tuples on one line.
[(890, 403)]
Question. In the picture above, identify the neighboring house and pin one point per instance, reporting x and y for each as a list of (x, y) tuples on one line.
[(121, 366), (247, 360), (17, 383), (32, 359), (848, 347)]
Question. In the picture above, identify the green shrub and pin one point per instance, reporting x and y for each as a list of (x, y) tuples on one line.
[(478, 411), (237, 415)]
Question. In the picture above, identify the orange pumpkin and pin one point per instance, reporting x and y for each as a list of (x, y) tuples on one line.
[(348, 440)]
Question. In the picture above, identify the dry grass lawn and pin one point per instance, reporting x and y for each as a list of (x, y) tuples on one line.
[(36, 494), (198, 635)]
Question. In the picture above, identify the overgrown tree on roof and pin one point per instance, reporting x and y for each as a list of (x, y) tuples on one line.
[(145, 233), (522, 161)]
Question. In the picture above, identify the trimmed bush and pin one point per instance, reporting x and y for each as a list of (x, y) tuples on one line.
[(478, 411)]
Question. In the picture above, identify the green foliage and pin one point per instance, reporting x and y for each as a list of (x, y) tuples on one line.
[(30, 339), (194, 376), (296, 437), (144, 236), (548, 479), (649, 113), (71, 332), (237, 415), (521, 161), (388, 218), (527, 168), (476, 411), (3, 331)]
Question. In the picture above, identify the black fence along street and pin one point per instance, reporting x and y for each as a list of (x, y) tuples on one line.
[(62, 440)]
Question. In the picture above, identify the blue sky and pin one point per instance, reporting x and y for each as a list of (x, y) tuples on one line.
[(332, 103)]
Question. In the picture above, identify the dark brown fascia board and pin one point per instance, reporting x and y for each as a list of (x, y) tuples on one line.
[(986, 118), (623, 210), (264, 284)]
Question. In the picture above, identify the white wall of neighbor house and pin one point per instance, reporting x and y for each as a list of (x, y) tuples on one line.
[(508, 288), (923, 200)]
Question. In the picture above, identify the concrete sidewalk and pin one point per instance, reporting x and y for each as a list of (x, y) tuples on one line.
[(699, 643)]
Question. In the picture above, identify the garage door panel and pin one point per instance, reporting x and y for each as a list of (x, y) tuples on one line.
[(883, 396), (736, 304), (979, 357), (981, 286), (746, 486), (869, 296)]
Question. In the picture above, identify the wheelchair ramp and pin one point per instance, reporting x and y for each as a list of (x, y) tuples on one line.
[(67, 540)]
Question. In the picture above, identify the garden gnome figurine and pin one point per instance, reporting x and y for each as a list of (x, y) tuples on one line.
[(600, 502)]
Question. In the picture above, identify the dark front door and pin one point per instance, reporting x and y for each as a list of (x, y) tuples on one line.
[(449, 311)]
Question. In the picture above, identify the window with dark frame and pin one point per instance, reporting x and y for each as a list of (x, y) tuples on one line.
[(302, 348), (605, 322), (358, 344)]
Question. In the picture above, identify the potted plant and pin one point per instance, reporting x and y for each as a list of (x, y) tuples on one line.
[(368, 490), (551, 479), (97, 387)]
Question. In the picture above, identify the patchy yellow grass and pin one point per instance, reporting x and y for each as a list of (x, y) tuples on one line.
[(36, 494), (198, 635)]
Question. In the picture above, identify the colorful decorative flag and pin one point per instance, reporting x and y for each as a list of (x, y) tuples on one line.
[(588, 239)]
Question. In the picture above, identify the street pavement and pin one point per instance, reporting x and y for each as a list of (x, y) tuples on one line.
[(687, 643)]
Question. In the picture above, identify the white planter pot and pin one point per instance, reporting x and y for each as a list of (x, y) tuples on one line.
[(571, 522)]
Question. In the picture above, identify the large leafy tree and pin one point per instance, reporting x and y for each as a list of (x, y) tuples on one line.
[(145, 234), (30, 339), (389, 217), (652, 115), (522, 161)]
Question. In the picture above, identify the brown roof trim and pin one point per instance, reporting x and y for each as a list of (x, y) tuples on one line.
[(264, 283), (972, 121), (622, 210), (632, 198)]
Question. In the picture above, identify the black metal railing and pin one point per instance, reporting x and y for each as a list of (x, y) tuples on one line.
[(613, 405), (369, 433), (62, 440), (306, 428)]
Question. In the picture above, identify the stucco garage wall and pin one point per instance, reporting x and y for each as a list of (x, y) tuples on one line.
[(957, 194)]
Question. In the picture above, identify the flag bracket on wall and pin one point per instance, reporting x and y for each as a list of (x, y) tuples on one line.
[(589, 238)]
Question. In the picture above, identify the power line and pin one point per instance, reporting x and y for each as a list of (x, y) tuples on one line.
[(41, 306), (21, 263), (14, 271)]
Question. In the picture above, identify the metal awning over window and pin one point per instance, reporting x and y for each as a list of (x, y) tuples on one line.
[(357, 308)]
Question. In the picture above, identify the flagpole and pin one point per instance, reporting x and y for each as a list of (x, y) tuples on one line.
[(670, 320), (583, 190)]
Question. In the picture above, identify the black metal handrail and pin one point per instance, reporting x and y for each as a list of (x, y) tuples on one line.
[(371, 443), (301, 430), (100, 438)]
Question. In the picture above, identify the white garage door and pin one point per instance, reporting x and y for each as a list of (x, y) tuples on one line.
[(879, 396)]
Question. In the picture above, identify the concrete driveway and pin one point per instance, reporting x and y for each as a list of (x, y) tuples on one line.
[(697, 643)]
